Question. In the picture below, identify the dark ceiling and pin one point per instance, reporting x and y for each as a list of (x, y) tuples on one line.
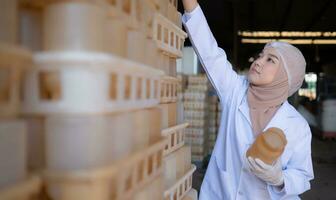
[(226, 17)]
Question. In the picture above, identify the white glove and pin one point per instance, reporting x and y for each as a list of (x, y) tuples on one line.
[(272, 174)]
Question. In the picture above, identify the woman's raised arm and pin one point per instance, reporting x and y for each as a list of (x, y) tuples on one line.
[(213, 59)]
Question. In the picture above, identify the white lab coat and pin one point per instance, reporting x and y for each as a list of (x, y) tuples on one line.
[(228, 176)]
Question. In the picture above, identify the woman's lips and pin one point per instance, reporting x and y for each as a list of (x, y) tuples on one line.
[(254, 70)]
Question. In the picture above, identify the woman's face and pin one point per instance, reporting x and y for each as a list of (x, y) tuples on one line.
[(264, 68)]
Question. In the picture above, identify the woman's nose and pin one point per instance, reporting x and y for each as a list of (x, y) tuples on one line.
[(259, 61), (258, 65)]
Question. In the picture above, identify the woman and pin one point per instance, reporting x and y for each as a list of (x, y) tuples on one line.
[(250, 106)]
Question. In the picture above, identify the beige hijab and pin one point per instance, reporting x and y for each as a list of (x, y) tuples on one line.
[(264, 101)]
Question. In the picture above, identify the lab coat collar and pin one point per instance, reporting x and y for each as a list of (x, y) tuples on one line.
[(245, 110), (279, 120)]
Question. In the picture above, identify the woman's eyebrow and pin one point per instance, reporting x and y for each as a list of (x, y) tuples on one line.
[(274, 56)]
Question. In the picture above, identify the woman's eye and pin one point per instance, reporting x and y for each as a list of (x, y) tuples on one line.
[(270, 60)]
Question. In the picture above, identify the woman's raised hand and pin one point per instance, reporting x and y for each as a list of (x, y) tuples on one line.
[(189, 5)]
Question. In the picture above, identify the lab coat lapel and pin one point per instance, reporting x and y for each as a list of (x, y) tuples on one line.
[(247, 138), (281, 118), (244, 109)]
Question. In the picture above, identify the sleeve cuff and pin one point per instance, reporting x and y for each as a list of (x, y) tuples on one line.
[(277, 192), (188, 15), (278, 189)]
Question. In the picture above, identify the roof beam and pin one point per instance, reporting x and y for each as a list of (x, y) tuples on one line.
[(286, 14), (319, 15)]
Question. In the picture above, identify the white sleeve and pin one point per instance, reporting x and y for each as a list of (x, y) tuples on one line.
[(213, 59), (188, 15), (298, 172)]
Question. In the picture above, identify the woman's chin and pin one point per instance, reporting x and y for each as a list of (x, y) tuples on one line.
[(253, 79)]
